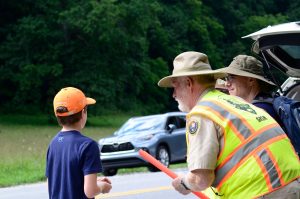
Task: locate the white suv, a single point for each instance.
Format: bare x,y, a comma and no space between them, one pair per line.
279,47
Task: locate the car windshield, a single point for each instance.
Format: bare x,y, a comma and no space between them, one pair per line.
140,124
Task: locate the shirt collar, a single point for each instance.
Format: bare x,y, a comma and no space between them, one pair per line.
205,92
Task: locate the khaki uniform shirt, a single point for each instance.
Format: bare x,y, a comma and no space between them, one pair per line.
205,141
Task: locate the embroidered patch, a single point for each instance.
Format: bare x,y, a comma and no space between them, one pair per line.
238,104
193,127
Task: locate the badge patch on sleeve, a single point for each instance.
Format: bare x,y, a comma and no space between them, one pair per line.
193,127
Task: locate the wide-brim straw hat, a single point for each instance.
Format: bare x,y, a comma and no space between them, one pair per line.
247,66
190,63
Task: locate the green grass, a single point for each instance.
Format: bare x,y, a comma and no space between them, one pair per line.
24,147
24,141
21,171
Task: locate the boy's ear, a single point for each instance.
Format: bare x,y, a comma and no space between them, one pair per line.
82,112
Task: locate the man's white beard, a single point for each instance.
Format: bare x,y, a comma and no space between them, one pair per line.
182,107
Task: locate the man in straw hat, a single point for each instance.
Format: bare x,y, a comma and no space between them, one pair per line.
232,145
246,79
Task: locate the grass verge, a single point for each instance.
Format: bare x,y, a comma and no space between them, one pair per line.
24,142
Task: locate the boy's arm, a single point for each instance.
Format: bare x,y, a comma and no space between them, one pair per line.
92,187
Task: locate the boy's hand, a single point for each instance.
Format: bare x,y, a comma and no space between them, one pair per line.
103,179
104,183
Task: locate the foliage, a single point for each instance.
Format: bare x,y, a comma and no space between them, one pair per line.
116,51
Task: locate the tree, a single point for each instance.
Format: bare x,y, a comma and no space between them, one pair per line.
116,51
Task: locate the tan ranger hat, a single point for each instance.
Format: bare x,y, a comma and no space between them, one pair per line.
190,64
247,66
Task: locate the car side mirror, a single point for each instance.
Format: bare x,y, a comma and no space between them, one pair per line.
171,128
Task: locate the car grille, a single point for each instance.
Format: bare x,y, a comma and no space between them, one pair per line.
117,147
123,163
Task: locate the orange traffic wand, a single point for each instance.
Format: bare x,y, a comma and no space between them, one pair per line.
164,169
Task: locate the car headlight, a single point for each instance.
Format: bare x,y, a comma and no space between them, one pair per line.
100,147
145,137
100,142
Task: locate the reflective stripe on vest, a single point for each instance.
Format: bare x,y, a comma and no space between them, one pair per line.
268,165
244,131
244,151
232,162
251,137
237,123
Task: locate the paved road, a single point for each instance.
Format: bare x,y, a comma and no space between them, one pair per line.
134,186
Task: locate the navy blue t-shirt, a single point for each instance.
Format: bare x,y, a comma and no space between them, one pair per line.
70,157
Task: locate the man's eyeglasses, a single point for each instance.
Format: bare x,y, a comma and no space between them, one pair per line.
229,78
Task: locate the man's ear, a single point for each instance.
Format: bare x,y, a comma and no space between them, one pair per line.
189,81
251,81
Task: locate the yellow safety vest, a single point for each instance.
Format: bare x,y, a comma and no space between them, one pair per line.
257,157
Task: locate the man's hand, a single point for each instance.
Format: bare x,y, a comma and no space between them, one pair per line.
180,186
104,184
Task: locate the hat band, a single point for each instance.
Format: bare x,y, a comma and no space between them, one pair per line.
198,68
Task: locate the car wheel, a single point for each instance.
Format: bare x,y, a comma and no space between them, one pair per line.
162,155
110,172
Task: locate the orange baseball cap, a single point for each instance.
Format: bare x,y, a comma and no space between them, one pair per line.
69,101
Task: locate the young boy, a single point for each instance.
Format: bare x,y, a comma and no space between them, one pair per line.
73,159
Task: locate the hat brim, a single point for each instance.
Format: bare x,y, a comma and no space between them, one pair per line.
167,81
238,72
90,101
